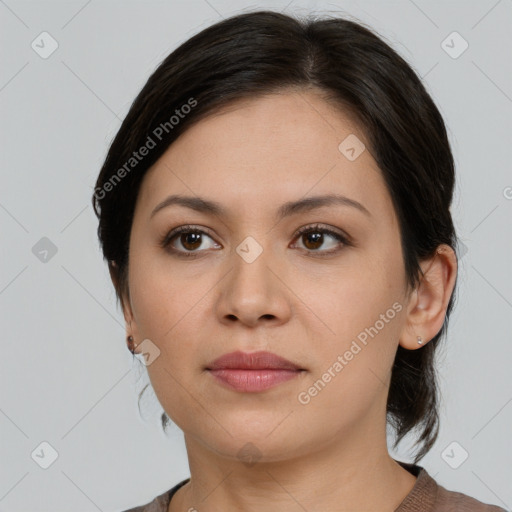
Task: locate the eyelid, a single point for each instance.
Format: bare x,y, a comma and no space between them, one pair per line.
336,233
343,238
185,228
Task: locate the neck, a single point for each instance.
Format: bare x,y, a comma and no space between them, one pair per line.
352,472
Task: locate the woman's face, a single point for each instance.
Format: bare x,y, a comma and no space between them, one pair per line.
250,283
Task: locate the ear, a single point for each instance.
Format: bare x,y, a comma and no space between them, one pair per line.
426,310
124,298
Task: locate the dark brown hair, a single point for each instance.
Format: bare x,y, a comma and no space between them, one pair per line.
262,52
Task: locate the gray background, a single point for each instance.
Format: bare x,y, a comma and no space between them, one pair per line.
66,376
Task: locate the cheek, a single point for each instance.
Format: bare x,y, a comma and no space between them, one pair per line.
160,296
354,366
349,300
358,336
166,307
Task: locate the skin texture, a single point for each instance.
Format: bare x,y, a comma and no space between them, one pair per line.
328,454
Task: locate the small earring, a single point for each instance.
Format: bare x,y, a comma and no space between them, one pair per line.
420,341
129,339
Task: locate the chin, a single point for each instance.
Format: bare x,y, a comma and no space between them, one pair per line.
251,445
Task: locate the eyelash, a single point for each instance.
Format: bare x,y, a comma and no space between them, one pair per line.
167,239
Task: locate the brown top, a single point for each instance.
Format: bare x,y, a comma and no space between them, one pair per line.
426,496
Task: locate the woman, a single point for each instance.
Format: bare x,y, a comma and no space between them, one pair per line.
274,211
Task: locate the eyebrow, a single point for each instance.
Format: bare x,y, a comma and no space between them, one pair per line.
307,204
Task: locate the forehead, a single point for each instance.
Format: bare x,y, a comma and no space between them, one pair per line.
259,152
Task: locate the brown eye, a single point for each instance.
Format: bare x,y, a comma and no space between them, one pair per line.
312,240
190,241
314,237
185,241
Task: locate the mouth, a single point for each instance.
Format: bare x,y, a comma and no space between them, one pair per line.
253,372
252,361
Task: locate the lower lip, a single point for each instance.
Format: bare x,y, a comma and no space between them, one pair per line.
253,380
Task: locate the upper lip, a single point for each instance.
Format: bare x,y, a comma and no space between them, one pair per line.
252,361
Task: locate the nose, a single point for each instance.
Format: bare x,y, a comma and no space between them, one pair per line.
254,292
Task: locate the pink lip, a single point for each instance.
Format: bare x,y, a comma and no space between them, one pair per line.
253,372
